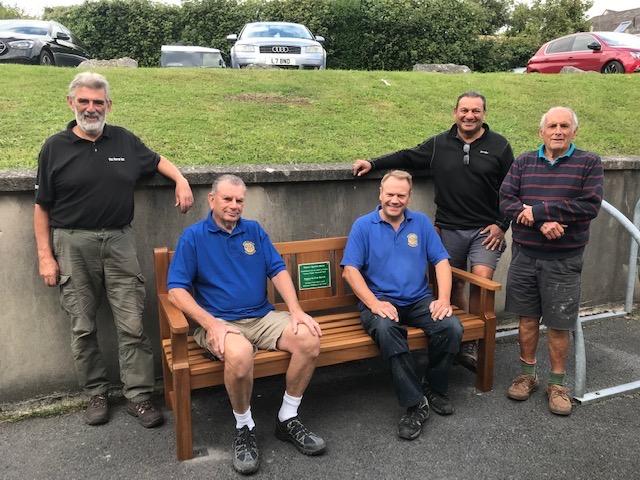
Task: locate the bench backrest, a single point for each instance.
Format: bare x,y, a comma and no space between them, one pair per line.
314,266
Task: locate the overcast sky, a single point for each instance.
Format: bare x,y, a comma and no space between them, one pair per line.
36,7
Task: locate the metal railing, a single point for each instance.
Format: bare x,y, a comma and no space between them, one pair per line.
580,354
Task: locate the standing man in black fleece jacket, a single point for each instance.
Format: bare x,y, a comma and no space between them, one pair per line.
468,163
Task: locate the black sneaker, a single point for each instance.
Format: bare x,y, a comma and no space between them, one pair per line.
97,412
439,403
148,415
307,442
246,459
411,423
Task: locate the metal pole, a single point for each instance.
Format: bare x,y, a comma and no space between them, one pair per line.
581,360
633,263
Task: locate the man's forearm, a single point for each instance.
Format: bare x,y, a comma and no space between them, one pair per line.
444,279
169,170
42,232
183,300
284,285
360,288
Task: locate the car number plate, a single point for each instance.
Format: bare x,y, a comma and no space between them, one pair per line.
282,61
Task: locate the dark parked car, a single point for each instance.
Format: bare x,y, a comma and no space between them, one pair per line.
39,42
606,52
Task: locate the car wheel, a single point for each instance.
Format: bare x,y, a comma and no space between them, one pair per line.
46,58
613,67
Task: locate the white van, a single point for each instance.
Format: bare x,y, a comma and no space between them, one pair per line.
190,56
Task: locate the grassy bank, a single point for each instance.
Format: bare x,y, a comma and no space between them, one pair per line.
201,117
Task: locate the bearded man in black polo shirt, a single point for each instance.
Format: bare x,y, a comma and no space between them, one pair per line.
468,163
84,208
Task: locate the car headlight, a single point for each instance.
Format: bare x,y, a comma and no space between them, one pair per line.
245,48
314,49
21,44
635,55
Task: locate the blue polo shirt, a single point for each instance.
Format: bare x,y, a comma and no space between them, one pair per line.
394,263
226,272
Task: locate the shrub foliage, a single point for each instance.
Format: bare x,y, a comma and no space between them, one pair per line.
360,34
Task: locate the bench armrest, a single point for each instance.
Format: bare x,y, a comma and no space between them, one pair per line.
178,323
481,282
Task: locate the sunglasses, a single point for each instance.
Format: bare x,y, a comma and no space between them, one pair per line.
465,149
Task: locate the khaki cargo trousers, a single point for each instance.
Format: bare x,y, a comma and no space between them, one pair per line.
94,262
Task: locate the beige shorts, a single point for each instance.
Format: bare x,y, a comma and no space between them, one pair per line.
262,332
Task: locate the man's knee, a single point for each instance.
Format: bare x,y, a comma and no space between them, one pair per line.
238,356
453,329
302,343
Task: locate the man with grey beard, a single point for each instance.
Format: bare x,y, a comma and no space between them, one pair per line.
82,222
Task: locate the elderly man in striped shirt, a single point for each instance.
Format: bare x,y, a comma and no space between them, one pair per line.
552,193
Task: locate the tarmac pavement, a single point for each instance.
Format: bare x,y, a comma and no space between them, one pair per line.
353,407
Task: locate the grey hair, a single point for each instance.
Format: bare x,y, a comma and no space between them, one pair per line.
91,80
574,117
227,177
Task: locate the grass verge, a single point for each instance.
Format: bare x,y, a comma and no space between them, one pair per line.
231,117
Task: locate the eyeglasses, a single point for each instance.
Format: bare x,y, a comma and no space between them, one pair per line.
465,149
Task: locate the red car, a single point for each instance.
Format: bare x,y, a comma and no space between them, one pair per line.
605,52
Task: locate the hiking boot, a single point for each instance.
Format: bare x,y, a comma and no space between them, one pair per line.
522,387
559,400
97,412
147,413
410,425
438,402
246,459
307,442
468,355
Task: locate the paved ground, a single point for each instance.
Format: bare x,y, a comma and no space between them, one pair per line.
354,408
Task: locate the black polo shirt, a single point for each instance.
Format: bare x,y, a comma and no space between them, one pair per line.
85,184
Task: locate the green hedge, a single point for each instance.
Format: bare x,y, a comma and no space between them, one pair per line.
360,34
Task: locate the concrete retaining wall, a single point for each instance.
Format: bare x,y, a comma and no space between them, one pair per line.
292,203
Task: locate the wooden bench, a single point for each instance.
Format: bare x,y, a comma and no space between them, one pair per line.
186,367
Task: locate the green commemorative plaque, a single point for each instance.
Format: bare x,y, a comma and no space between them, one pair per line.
314,275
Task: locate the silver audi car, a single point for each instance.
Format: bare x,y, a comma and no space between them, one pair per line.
277,44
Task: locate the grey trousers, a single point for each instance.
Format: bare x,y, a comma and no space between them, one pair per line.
94,262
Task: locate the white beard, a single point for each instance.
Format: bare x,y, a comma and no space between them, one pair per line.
90,126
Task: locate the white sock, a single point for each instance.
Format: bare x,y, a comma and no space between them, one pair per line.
243,419
289,408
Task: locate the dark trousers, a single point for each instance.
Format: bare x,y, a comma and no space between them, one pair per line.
391,338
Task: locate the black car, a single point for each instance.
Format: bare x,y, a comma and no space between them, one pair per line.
39,42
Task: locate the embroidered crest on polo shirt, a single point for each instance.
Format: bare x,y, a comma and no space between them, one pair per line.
484,152
412,240
249,247
116,159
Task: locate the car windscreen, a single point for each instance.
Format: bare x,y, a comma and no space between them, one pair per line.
24,28
621,40
262,30
191,59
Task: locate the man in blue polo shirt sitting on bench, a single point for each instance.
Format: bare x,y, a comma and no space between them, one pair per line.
386,262
225,261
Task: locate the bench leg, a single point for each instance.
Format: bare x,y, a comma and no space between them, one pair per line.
182,413
167,380
484,373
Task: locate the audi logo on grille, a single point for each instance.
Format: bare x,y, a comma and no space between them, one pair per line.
3,47
280,49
